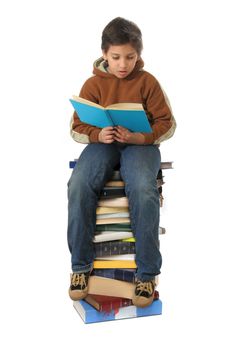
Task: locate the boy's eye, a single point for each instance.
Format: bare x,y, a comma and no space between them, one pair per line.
128,58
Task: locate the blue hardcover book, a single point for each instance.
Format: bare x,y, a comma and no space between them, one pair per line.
90,315
128,115
127,275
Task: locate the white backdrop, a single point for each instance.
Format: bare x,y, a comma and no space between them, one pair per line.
47,52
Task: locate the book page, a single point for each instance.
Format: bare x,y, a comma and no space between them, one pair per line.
87,102
126,106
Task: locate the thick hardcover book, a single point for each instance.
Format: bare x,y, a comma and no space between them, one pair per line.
127,275
90,315
111,287
104,303
128,115
114,248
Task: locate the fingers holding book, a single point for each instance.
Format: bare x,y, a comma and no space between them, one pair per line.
107,135
110,134
124,135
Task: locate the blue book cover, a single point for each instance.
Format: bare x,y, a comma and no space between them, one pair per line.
128,115
90,315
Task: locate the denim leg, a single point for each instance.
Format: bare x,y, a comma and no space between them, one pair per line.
94,167
139,169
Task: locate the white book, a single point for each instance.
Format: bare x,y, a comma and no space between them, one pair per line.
117,257
112,215
114,202
104,236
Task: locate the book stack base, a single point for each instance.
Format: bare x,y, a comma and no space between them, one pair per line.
90,315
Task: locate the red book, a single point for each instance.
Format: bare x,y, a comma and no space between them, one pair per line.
104,303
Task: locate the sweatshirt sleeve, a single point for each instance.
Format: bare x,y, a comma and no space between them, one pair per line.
82,132
159,113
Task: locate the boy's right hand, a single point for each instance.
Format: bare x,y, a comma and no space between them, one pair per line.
106,135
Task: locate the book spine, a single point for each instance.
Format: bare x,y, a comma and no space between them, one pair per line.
116,175
114,305
112,192
114,248
114,264
118,274
113,227
109,117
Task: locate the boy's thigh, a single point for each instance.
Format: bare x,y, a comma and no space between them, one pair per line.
141,160
96,159
99,153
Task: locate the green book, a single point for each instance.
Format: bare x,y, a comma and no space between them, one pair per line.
114,227
128,115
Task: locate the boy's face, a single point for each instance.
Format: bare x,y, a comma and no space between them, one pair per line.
121,59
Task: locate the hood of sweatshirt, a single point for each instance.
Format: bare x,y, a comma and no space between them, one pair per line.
100,69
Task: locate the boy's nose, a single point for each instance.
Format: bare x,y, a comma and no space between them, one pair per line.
123,63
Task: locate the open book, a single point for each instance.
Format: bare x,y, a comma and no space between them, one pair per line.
128,115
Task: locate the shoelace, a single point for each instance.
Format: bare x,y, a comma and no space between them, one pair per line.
145,286
78,279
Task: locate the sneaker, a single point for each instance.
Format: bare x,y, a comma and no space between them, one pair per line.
144,293
79,285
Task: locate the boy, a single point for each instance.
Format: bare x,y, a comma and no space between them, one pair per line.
119,77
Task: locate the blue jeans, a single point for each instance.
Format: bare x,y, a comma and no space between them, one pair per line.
139,166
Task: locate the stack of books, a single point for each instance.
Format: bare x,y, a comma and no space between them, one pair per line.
111,284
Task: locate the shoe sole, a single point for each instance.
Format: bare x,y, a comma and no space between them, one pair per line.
77,295
141,301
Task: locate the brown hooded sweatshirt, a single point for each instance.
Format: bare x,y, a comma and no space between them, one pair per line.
138,87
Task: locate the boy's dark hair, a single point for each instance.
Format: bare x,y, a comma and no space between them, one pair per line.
121,31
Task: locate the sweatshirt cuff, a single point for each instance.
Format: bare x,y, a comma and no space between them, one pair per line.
149,138
94,136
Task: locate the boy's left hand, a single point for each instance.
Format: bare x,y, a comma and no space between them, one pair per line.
123,135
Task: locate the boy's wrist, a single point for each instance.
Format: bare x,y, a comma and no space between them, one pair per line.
94,135
139,138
